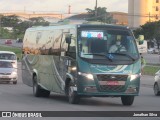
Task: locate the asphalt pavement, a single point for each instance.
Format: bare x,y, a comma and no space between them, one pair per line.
152,58
147,80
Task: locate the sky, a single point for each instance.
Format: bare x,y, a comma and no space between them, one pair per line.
61,6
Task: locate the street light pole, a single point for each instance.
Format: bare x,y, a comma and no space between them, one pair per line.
149,17
96,9
0,27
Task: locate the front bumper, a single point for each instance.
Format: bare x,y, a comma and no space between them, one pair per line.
8,78
99,87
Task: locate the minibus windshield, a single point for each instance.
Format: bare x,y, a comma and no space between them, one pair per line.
110,44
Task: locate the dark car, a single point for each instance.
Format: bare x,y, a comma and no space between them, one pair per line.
19,40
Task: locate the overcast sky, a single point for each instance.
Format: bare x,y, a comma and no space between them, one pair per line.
77,6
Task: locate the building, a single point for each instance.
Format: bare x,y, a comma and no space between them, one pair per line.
27,15
120,18
142,11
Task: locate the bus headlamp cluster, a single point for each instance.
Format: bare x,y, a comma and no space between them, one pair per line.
74,68
14,65
133,77
88,76
14,73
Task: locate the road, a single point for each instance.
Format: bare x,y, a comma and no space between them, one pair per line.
152,58
14,43
19,97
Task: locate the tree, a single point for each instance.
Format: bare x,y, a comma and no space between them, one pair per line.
102,15
18,26
37,21
10,21
150,30
157,36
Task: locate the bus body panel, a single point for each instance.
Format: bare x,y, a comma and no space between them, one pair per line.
47,55
42,57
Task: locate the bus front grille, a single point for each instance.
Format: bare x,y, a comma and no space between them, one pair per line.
110,77
103,78
112,88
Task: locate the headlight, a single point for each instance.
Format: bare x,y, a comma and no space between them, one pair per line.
133,77
14,73
73,68
88,76
14,65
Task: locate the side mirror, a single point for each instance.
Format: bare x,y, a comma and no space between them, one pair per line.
141,39
68,38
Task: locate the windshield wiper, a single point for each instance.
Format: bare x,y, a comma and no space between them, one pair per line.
129,56
99,54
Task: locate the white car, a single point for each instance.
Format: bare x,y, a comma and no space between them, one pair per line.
151,51
9,56
157,84
7,72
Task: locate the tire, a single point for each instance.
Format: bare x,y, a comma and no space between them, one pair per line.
127,100
38,91
156,90
73,98
14,82
45,93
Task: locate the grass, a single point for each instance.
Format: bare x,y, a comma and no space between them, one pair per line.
17,51
150,70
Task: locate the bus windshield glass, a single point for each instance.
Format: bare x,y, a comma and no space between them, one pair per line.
111,44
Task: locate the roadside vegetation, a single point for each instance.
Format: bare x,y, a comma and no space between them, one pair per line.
150,70
12,27
151,32
17,51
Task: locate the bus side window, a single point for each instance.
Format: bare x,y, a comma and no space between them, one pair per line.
84,44
72,48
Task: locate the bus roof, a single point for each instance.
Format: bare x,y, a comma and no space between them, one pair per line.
104,25
9,52
77,25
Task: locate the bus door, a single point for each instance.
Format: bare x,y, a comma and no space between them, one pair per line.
68,55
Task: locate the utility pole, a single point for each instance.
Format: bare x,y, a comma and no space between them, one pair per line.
0,27
149,17
96,9
69,9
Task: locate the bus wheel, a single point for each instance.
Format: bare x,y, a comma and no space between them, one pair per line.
156,90
72,95
127,100
14,82
38,91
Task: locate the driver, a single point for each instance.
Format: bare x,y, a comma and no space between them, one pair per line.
117,47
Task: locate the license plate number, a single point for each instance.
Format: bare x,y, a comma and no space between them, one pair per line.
112,83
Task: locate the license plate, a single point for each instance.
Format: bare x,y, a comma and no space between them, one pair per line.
112,83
